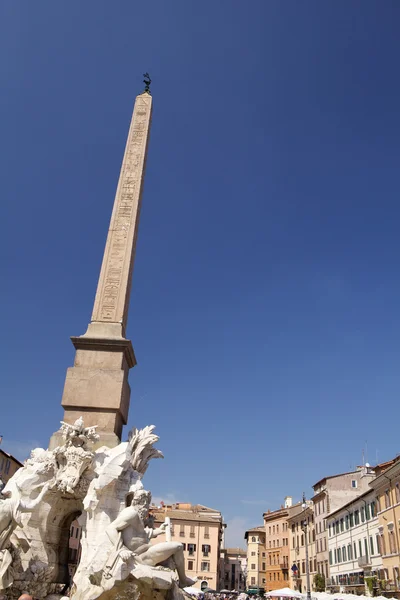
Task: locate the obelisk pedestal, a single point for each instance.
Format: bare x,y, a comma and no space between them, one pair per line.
97,387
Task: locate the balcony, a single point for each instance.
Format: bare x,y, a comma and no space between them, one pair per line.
283,566
364,561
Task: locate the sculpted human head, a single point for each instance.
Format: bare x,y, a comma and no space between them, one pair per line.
141,499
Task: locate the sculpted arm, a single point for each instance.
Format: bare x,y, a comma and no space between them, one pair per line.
126,518
159,531
28,506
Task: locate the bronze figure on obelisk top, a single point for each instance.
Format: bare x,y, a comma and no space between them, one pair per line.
97,387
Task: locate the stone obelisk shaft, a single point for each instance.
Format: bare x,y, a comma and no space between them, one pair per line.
97,387
112,298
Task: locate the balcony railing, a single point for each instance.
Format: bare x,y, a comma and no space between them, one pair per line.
283,565
364,561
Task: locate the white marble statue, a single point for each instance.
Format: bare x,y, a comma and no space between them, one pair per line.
104,487
130,541
11,509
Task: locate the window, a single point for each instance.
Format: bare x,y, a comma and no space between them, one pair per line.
357,517
339,555
397,492
325,543
335,555
263,554
359,548
387,499
344,554
349,552
71,532
392,542
371,545
353,483
303,566
206,532
182,531
192,531
270,544
253,553
355,550
362,514
253,581
347,521
206,549
341,525
367,515
269,530
373,509
273,543
315,564
253,567
329,530
253,539
273,529
293,542
302,539
383,544
337,526
366,546
191,549
270,576
77,532
351,520
190,565
262,566
277,529
274,576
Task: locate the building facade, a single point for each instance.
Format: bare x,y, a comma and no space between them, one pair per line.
74,547
387,490
233,569
353,545
200,530
330,494
8,465
302,546
256,557
276,565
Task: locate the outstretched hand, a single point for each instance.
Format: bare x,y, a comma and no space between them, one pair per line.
126,555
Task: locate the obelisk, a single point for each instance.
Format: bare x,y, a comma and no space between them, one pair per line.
97,387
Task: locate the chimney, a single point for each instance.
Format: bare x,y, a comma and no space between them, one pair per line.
288,501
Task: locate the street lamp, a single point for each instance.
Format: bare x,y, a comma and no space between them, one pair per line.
304,528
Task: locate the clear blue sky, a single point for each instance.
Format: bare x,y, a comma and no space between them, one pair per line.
265,311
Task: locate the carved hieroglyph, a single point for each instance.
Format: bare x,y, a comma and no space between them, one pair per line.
112,297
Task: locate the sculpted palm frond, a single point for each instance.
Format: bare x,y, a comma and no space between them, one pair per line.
140,448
